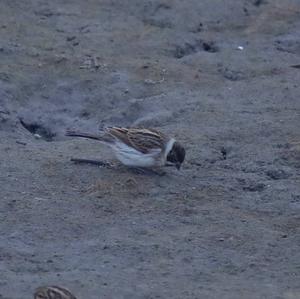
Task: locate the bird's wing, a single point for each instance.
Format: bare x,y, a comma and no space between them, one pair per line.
143,140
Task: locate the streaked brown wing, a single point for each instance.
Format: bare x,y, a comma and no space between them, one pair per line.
65,292
143,140
146,140
119,133
53,292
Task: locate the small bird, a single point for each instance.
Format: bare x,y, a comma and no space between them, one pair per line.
139,147
53,292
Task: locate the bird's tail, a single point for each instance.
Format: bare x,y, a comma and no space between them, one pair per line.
100,137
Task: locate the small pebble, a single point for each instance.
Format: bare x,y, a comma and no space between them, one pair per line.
71,38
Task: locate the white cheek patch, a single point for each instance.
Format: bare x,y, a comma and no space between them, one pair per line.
169,146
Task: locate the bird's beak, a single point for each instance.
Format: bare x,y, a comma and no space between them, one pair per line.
178,165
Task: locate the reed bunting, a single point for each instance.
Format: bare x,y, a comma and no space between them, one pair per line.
138,147
53,292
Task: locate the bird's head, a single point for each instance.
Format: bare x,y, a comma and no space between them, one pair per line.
176,155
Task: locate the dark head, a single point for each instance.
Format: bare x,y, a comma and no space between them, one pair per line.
176,155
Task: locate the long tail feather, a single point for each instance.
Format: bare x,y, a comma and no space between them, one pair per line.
86,135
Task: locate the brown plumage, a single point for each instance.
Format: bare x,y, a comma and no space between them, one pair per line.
142,140
53,292
139,147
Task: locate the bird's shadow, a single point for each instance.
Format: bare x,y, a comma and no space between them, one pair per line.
120,167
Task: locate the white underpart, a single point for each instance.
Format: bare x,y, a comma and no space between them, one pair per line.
131,157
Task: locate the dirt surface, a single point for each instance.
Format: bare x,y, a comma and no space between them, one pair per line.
221,76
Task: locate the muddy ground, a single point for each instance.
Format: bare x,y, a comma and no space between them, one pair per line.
221,76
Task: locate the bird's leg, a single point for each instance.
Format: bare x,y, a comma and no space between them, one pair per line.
94,162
